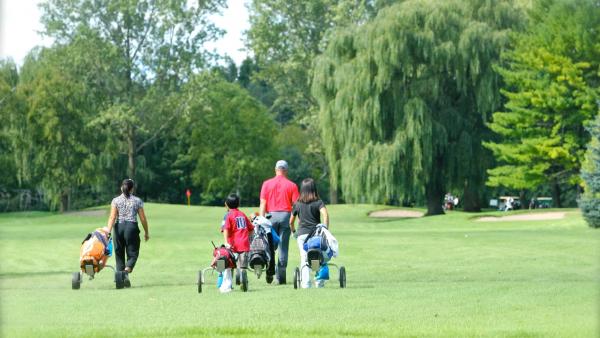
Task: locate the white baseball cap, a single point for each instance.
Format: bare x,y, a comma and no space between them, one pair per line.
281,164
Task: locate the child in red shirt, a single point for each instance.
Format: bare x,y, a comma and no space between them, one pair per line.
237,230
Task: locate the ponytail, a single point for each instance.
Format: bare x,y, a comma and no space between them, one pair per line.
127,187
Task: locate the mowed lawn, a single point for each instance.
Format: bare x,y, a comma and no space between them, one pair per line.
435,276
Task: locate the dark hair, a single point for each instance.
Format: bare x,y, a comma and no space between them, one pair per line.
127,186
232,201
308,191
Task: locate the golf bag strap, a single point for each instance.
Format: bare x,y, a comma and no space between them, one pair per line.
86,238
232,257
312,233
101,238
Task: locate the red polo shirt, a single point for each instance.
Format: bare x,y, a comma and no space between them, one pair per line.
238,227
280,194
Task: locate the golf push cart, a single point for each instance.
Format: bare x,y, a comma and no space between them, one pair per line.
96,248
318,253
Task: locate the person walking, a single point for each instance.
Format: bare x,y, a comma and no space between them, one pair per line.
123,218
277,196
311,211
237,231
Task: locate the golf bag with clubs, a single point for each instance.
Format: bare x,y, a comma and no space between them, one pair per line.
262,253
260,256
95,250
225,255
317,246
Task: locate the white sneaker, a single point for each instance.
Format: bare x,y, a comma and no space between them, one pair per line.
225,290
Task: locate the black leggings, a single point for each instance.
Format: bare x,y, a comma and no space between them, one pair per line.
126,239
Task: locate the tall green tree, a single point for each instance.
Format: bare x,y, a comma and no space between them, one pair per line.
10,105
56,137
231,146
552,79
151,47
285,37
403,98
590,173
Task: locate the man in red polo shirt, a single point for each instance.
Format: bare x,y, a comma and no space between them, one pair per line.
277,196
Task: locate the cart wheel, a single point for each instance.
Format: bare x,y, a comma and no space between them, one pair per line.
342,277
244,277
76,281
200,281
296,278
237,276
119,280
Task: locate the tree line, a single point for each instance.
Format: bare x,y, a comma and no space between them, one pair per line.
381,101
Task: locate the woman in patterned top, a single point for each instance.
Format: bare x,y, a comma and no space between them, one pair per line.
123,215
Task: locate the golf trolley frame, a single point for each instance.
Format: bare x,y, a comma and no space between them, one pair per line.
89,268
241,277
242,274
314,265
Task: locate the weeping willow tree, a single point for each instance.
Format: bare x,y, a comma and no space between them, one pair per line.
404,99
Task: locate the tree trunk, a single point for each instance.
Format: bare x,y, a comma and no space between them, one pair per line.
333,196
333,191
434,190
64,202
522,199
131,152
129,92
470,199
556,195
434,203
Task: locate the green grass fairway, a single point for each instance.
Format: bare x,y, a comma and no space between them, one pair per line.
436,276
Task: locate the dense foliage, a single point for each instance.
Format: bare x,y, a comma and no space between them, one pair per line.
232,147
387,101
590,201
404,99
552,78
285,37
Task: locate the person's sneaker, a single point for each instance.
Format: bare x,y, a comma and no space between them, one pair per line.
126,281
269,279
225,290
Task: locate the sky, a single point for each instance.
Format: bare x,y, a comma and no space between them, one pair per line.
19,24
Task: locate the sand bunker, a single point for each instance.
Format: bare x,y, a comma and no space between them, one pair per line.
539,216
395,213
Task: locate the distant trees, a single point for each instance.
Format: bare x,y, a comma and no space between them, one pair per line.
11,104
590,201
57,141
385,101
285,37
552,77
148,49
404,98
232,146
110,96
